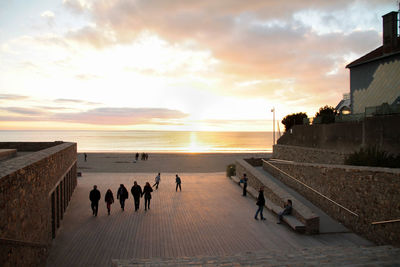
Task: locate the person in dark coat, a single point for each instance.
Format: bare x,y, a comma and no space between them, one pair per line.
109,199
147,195
244,181
286,211
122,194
136,191
178,183
137,156
260,203
94,197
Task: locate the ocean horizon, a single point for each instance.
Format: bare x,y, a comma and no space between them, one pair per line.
149,141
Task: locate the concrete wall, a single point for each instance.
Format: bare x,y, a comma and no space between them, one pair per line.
374,83
372,193
383,131
306,154
28,146
34,192
277,195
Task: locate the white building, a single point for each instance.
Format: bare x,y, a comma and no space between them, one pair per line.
375,77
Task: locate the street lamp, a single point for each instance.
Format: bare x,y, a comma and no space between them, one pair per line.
273,126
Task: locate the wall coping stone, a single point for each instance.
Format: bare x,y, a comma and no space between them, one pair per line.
12,165
314,149
338,166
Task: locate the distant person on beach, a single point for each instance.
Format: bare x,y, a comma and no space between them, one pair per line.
142,157
147,195
260,203
244,181
286,211
122,194
157,180
137,156
85,156
109,199
94,197
178,183
136,191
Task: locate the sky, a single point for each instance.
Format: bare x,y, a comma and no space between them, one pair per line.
177,65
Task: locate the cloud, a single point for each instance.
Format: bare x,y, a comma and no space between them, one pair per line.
120,116
23,111
75,101
49,16
86,76
12,97
78,6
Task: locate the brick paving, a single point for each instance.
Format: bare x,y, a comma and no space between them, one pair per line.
209,218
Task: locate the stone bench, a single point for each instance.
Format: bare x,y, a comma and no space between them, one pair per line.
289,219
302,218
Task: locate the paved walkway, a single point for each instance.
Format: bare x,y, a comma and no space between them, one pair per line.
209,217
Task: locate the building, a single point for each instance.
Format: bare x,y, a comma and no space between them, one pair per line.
375,77
36,185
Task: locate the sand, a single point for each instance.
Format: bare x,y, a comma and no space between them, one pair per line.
161,162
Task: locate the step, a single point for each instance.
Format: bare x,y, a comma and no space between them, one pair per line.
290,220
311,256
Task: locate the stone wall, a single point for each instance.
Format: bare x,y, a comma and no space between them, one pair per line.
306,154
371,193
23,253
277,195
35,190
383,131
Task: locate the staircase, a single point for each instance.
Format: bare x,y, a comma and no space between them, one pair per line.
315,256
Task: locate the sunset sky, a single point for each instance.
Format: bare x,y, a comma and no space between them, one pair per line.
179,64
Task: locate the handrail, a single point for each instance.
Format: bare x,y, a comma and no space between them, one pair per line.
312,189
388,221
20,242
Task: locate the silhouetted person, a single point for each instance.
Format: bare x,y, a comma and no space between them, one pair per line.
94,197
287,210
137,156
157,180
147,195
178,183
109,199
122,194
136,191
260,203
85,156
244,181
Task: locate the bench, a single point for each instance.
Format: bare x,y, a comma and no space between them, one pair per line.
290,220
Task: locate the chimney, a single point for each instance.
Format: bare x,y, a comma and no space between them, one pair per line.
390,40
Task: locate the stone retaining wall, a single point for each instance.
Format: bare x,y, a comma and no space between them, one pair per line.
24,254
278,195
310,155
372,193
35,190
28,146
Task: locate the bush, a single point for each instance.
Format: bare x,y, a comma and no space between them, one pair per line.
373,156
326,114
230,170
294,119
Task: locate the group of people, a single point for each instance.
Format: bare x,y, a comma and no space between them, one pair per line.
144,156
122,195
287,210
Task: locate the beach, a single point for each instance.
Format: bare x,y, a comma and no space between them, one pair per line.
161,162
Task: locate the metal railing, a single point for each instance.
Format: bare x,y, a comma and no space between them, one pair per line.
312,189
384,222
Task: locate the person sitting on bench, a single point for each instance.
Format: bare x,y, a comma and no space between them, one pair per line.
286,211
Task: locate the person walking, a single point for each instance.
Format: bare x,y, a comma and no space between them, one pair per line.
136,191
109,199
178,183
147,195
244,181
85,156
260,203
137,156
94,197
122,195
157,180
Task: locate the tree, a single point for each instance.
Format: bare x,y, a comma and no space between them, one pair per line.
327,114
294,119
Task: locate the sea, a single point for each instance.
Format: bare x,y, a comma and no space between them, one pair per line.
150,141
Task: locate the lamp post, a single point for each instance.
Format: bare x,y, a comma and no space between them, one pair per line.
273,126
